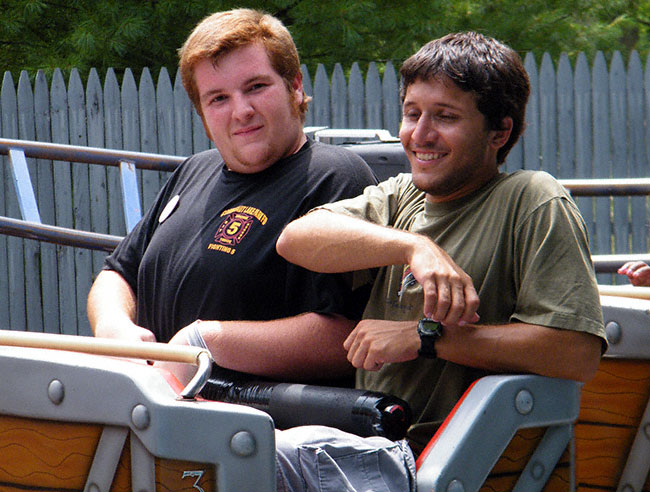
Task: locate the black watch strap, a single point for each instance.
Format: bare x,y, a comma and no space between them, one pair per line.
429,332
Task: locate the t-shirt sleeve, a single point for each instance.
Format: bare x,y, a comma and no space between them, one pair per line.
126,257
346,175
557,284
378,204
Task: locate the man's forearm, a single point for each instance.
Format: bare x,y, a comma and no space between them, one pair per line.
525,348
307,346
111,308
324,241
508,348
327,242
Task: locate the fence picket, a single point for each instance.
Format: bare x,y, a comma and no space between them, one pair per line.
373,98
339,98
46,199
583,137
182,118
63,205
15,253
96,174
321,102
130,114
530,142
165,115
601,161
7,96
80,198
149,182
199,137
309,91
618,115
646,160
390,99
636,154
113,132
356,98
27,131
547,115
565,120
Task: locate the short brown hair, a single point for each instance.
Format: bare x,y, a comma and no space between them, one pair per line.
222,32
478,64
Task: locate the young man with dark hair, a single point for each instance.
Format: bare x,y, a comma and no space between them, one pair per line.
477,271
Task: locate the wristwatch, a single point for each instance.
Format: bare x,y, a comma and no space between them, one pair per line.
429,332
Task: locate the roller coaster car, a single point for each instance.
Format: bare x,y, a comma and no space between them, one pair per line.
77,421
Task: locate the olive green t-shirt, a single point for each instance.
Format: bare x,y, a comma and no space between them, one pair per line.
524,244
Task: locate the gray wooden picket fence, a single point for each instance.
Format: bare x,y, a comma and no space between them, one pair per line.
584,120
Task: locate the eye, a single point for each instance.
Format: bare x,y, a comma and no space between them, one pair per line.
446,116
411,115
257,87
216,99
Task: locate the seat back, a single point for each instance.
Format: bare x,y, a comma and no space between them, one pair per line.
506,433
613,429
530,433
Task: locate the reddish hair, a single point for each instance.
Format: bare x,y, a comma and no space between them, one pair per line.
223,32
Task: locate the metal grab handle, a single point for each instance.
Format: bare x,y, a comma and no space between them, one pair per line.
197,356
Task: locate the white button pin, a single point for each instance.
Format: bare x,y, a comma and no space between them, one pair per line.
169,208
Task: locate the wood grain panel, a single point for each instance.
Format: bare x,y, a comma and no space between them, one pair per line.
44,454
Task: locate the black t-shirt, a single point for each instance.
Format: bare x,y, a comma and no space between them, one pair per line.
212,254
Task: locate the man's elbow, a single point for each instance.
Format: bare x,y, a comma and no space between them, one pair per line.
296,242
588,354
286,243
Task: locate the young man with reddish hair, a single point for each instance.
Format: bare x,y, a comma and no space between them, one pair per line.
202,263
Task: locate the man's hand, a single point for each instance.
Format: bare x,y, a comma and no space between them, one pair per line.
181,371
637,271
374,343
449,294
125,330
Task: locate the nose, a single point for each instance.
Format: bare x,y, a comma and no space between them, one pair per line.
424,131
242,108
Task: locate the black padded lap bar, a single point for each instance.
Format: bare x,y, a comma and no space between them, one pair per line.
365,413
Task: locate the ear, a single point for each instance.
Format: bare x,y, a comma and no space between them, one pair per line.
296,88
501,136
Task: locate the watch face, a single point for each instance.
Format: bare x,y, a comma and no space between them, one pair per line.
428,325
429,332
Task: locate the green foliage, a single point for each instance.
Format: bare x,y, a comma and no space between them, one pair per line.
42,34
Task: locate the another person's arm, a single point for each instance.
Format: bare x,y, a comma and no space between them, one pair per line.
513,347
304,347
328,242
637,271
307,346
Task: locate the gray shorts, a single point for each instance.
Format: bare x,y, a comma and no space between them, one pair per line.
323,459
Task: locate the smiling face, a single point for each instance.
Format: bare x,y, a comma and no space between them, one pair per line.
445,136
248,111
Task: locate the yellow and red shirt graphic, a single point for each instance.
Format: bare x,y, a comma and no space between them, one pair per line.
234,227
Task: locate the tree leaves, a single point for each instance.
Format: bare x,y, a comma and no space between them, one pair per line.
43,34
